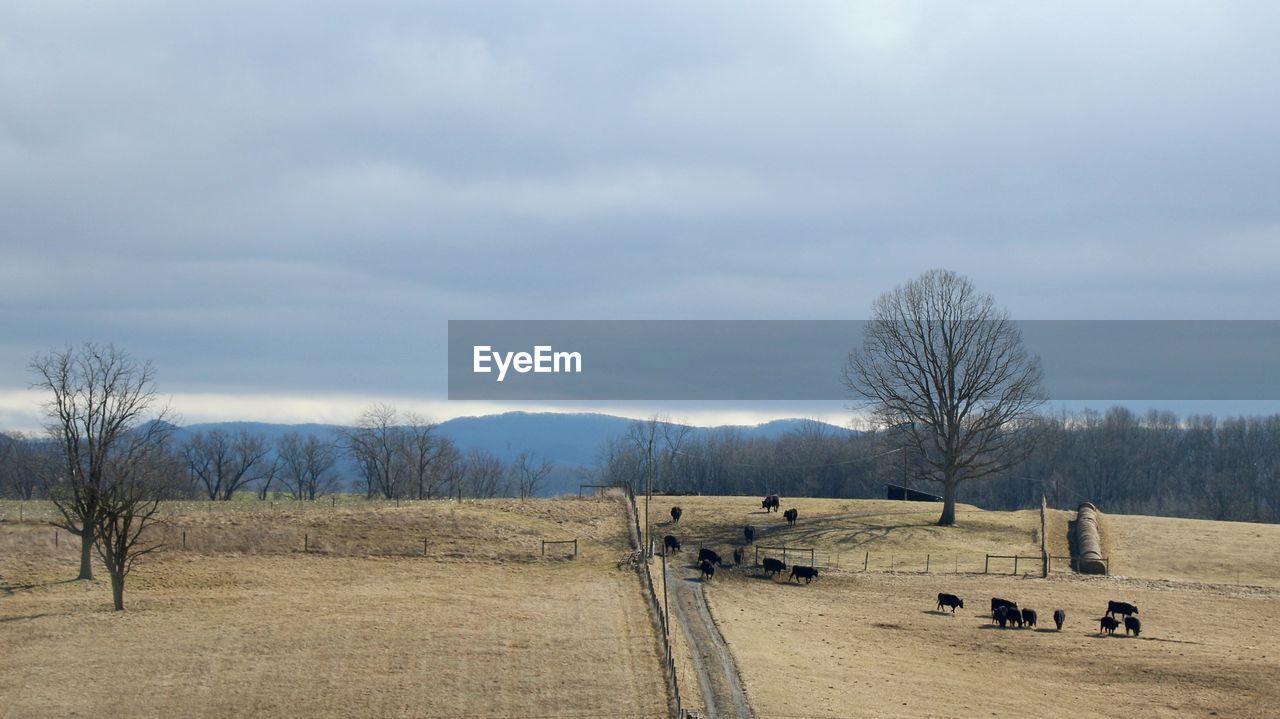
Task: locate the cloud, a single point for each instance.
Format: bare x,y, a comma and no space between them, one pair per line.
294,198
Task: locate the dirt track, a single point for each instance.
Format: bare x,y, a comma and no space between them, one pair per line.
718,680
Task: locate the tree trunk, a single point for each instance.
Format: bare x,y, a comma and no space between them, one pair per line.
86,553
948,517
117,590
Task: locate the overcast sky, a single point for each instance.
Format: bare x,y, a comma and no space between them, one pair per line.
281,205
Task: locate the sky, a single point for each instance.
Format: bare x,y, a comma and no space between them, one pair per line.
282,206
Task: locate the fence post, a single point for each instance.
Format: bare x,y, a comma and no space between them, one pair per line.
892,564
306,543
55,537
424,546
986,567
184,540
926,564
575,548
813,559
865,561
1015,565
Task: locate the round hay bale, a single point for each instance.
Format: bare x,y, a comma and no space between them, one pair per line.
1088,544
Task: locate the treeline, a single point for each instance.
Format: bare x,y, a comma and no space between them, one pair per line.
1153,463
394,455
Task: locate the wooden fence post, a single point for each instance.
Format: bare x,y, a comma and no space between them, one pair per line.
424,546
986,567
184,540
306,543
926,564
1015,565
865,561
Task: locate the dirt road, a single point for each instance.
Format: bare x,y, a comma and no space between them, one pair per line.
718,680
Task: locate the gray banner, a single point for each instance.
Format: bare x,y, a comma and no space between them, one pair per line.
802,359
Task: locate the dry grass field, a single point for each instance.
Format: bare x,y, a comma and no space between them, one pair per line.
871,644
244,623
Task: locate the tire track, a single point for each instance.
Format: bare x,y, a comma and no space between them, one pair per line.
721,687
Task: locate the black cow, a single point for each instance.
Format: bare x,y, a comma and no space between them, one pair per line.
1125,608
773,566
791,515
949,600
1134,624
708,569
737,556
1029,617
706,555
1108,625
675,514
1000,616
1059,618
997,602
1015,616
749,532
771,503
671,543
808,574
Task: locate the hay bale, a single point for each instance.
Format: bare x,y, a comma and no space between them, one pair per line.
1088,541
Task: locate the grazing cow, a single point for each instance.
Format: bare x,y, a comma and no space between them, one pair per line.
749,532
1125,608
771,503
1015,616
708,569
1059,618
1000,616
1134,624
675,514
774,566
791,516
997,602
706,555
949,600
1029,617
1108,625
671,543
737,556
808,574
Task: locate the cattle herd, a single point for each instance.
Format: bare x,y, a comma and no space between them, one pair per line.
1006,613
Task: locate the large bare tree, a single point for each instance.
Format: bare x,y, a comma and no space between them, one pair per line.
943,364
306,465
529,471
99,399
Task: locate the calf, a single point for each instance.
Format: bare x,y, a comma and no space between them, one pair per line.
675,514
708,570
749,532
706,555
1059,618
1125,608
773,566
808,574
771,503
949,600
997,602
1015,617
1000,616
1029,617
737,556
671,543
791,516
1108,625
1134,624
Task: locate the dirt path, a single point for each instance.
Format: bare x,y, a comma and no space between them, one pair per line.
721,688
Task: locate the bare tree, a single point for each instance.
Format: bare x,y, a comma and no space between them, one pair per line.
222,463
421,448
940,360
483,474
99,398
142,474
529,471
26,463
307,465
375,444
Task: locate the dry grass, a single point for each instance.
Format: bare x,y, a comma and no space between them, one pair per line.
479,627
1193,549
871,645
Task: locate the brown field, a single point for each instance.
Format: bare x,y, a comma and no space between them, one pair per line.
870,644
244,623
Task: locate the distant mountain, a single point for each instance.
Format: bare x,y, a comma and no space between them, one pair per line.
570,440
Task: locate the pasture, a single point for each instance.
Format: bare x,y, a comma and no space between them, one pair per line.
245,623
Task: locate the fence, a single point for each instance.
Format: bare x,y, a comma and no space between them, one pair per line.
545,542
785,550
658,608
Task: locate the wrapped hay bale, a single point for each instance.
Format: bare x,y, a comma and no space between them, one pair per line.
1088,544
